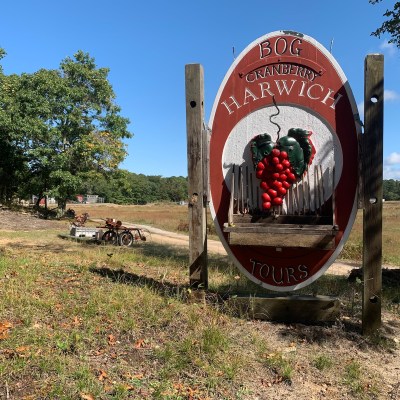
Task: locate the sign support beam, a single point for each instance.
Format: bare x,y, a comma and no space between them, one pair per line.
373,193
197,170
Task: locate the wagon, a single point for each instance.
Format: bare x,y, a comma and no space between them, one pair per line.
118,234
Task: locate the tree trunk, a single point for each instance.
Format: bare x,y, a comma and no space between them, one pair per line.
62,205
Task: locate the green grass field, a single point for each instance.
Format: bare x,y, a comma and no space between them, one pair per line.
83,321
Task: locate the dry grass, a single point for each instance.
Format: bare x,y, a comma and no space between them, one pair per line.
390,235
174,218
165,216
81,321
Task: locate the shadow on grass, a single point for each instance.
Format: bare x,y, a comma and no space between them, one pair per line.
348,326
164,288
181,254
330,285
318,332
347,289
326,285
340,286
390,277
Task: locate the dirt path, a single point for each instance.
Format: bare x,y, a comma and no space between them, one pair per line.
216,247
25,221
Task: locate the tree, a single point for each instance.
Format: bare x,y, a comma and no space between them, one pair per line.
13,165
65,123
175,188
85,125
392,25
391,189
124,187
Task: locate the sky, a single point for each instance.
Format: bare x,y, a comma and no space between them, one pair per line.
146,45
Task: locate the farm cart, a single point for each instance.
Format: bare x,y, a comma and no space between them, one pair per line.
118,234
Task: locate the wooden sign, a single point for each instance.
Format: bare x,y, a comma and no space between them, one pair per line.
284,160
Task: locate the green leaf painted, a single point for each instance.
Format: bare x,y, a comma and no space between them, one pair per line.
302,136
261,146
295,153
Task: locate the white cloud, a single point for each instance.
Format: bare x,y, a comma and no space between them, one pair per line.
391,173
391,167
393,159
360,107
389,48
391,95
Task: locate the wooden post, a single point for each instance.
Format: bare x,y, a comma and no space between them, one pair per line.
373,193
197,172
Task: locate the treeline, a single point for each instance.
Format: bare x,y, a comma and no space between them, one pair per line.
391,189
124,187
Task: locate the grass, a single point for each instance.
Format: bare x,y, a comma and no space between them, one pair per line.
282,365
82,312
80,321
352,377
152,214
390,236
323,362
175,220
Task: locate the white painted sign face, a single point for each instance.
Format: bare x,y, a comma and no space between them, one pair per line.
284,159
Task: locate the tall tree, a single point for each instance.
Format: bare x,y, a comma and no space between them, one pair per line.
67,123
12,144
391,25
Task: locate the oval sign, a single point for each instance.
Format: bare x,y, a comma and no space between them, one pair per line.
284,160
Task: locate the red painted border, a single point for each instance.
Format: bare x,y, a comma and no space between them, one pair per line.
327,95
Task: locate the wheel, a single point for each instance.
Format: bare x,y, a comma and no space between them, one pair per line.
125,238
110,237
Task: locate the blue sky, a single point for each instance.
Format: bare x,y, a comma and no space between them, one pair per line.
146,45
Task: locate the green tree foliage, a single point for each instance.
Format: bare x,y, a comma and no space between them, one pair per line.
12,144
391,189
391,25
56,126
124,187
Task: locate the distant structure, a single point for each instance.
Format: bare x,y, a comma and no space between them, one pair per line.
89,198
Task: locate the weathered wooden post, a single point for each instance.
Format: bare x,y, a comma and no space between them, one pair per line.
197,171
373,193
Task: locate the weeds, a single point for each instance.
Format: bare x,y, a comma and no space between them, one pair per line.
352,376
213,341
282,365
323,362
352,250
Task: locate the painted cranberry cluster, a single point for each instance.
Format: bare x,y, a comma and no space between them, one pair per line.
277,176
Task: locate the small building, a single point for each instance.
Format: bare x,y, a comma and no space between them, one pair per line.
50,200
91,198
